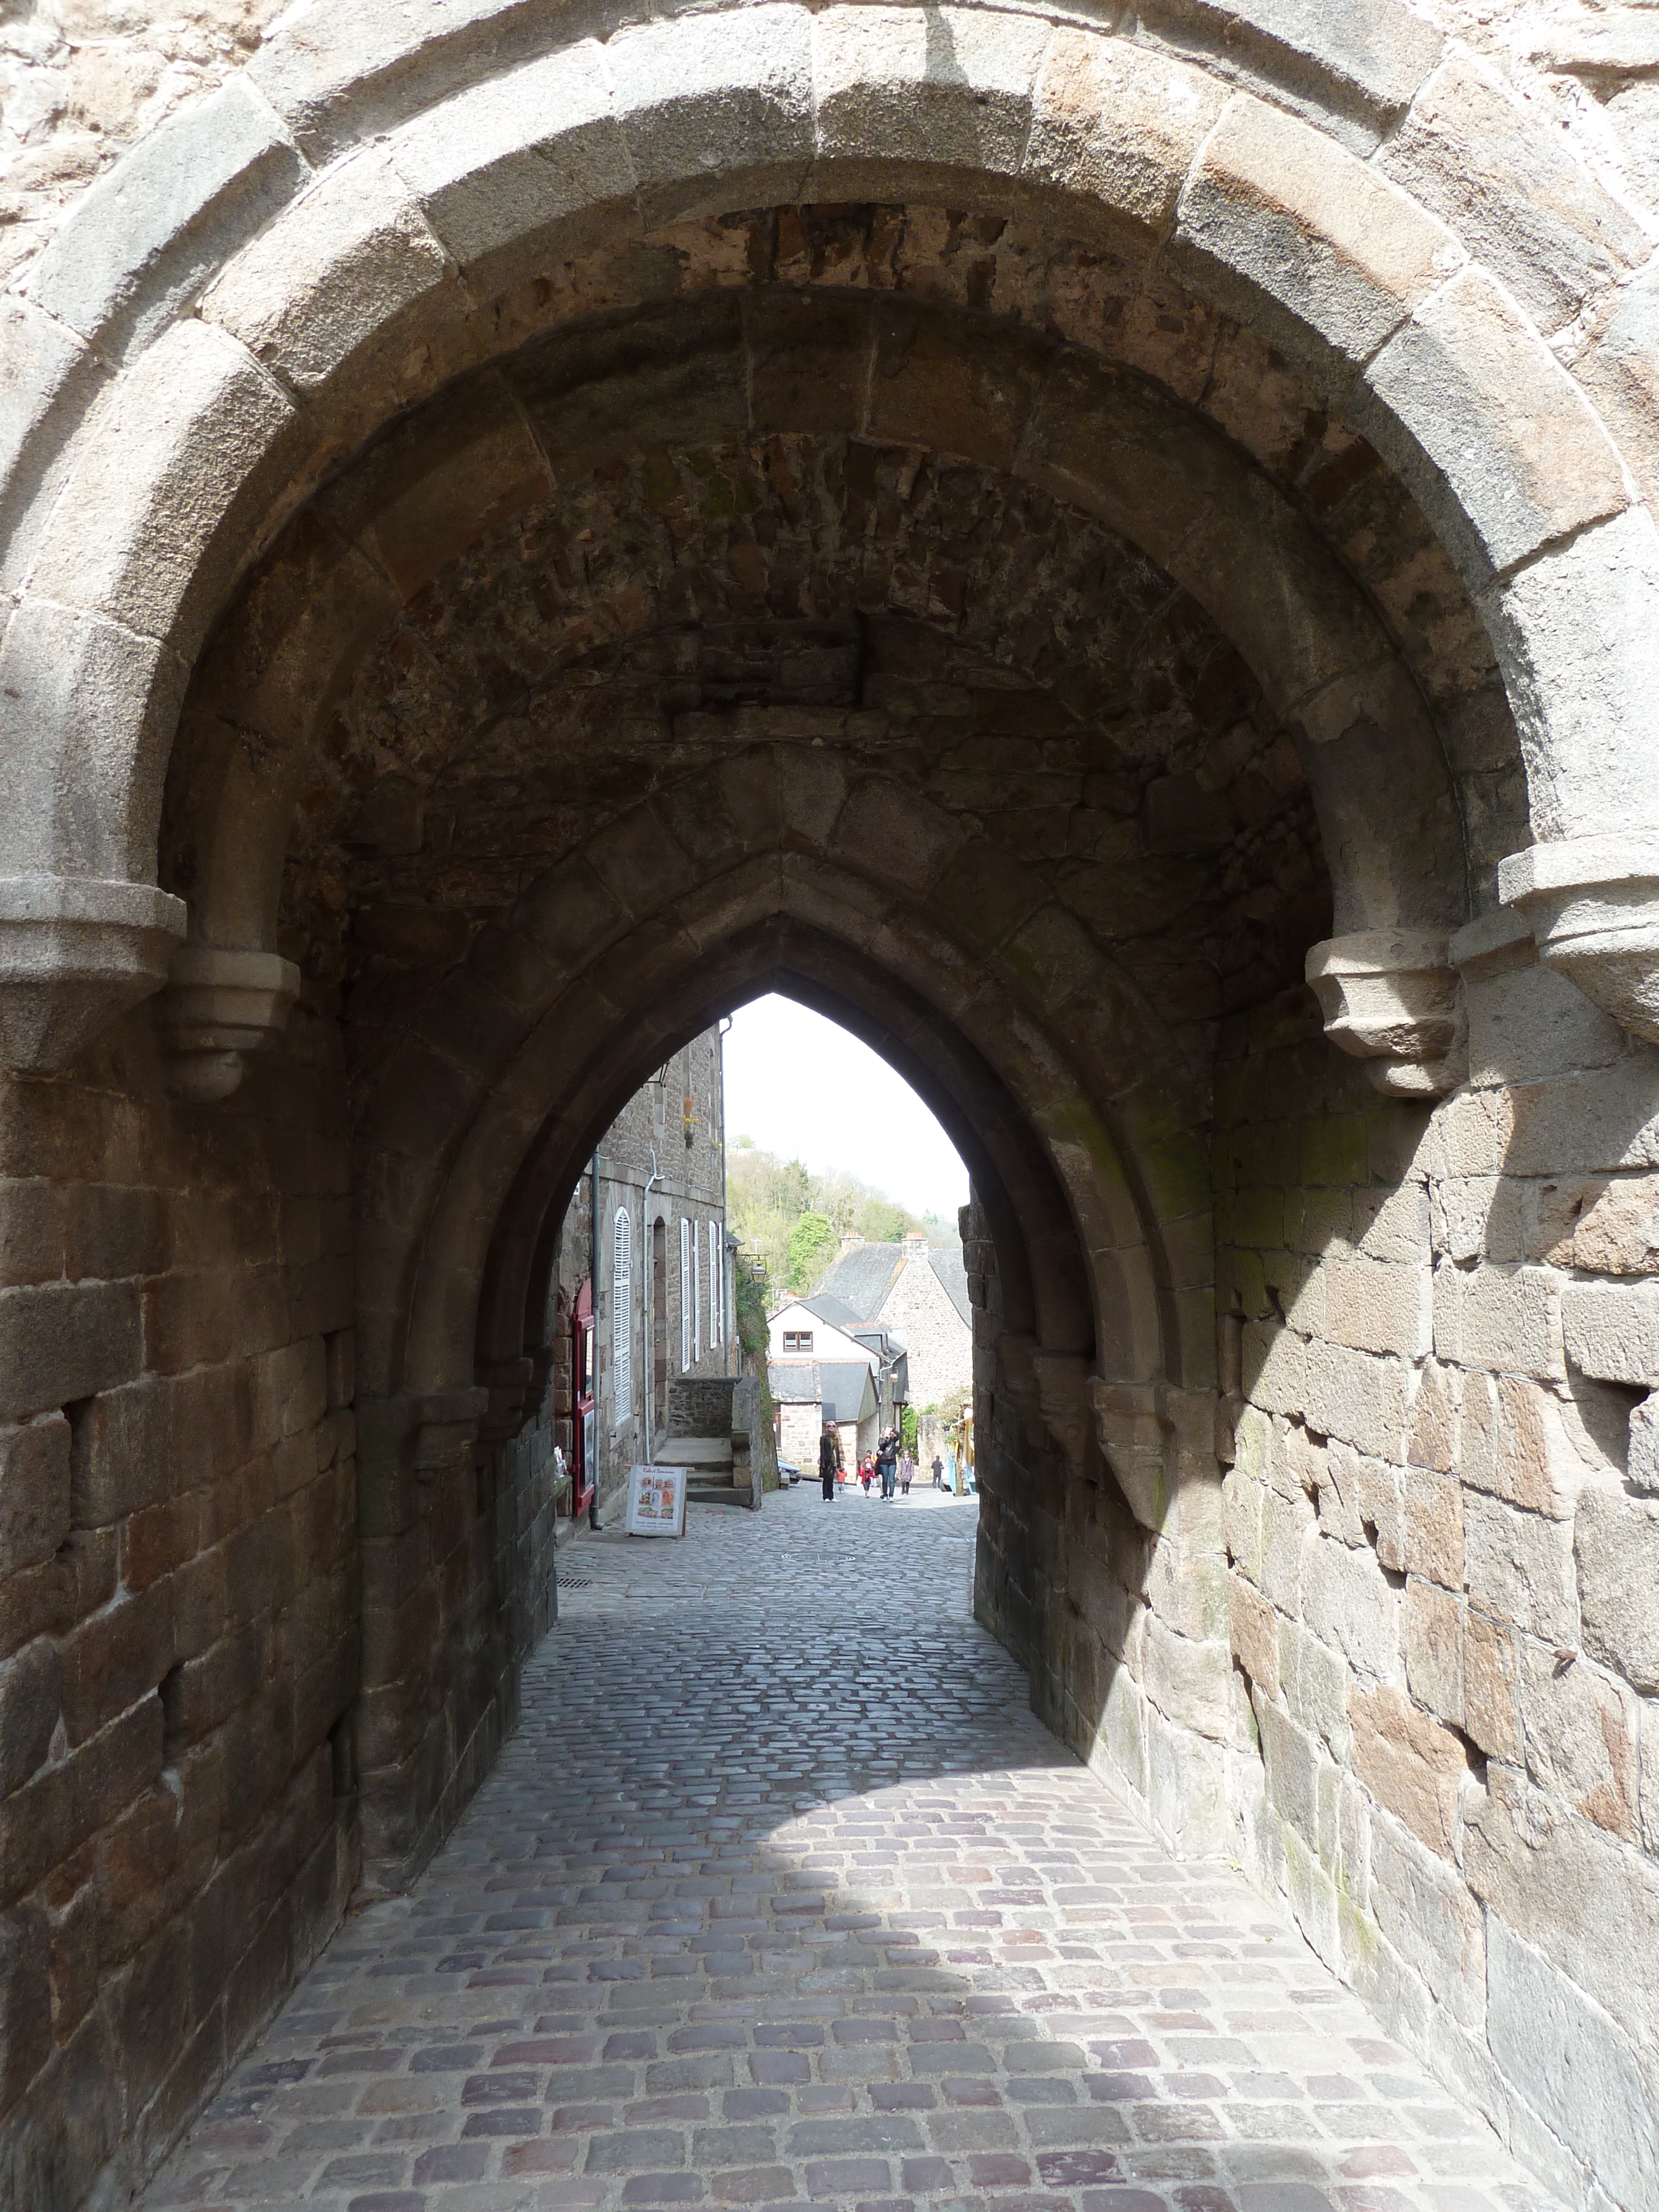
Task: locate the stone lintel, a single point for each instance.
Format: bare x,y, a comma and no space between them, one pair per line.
221,1004
1390,998
1593,905
75,951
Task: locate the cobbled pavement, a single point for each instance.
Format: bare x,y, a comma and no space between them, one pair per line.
780,1897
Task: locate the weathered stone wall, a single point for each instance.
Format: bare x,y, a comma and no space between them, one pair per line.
1441,1571
939,1343
179,1611
701,1405
646,1167
1437,1737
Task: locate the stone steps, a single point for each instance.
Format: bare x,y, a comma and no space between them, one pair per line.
711,1478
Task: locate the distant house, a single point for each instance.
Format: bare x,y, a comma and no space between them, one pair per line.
819,1345
809,1392
918,1293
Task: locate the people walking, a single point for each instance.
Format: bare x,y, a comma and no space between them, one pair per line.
866,1472
829,1459
887,1463
939,1472
907,1471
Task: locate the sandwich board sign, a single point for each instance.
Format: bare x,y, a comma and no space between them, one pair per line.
656,1501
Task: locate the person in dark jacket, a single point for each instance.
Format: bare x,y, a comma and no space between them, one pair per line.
829,1459
887,1462
939,1472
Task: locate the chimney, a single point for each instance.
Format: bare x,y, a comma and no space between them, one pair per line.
915,1244
850,1242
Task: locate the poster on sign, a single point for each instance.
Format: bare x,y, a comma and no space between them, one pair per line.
656,1501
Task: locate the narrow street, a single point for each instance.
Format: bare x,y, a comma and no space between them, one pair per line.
780,1895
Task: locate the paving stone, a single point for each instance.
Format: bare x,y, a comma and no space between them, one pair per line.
959,1975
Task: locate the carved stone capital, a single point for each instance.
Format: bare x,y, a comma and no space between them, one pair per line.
221,1004
74,952
1593,905
1390,998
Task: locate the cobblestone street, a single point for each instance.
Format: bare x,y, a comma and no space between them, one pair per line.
780,1896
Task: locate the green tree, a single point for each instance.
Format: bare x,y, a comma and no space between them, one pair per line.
767,1197
881,1222
811,1241
907,1428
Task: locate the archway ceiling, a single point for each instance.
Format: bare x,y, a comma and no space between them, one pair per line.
587,399
940,624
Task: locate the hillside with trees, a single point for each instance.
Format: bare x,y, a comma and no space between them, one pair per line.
792,1220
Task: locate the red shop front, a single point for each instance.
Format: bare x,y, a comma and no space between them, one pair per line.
584,1441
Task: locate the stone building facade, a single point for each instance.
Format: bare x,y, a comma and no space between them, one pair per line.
1116,555
662,1295
919,1291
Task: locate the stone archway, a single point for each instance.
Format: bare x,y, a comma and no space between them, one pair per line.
1001,529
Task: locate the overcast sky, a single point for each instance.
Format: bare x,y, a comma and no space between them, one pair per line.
803,1088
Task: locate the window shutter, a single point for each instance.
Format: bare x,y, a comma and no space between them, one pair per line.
621,1317
716,1303
696,1296
685,1294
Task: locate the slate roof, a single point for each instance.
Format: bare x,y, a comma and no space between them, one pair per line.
848,1394
946,1262
836,1311
792,1382
861,1278
841,1386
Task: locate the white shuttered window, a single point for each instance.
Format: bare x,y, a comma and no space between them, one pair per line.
697,1297
621,1317
685,1294
716,1303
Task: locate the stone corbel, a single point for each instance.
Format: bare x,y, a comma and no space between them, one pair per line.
1154,1436
75,951
509,1383
1593,906
1390,998
221,1004
1131,1443
445,1427
1061,1379
1016,1375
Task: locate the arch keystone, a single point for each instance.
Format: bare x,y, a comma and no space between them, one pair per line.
703,100
952,87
